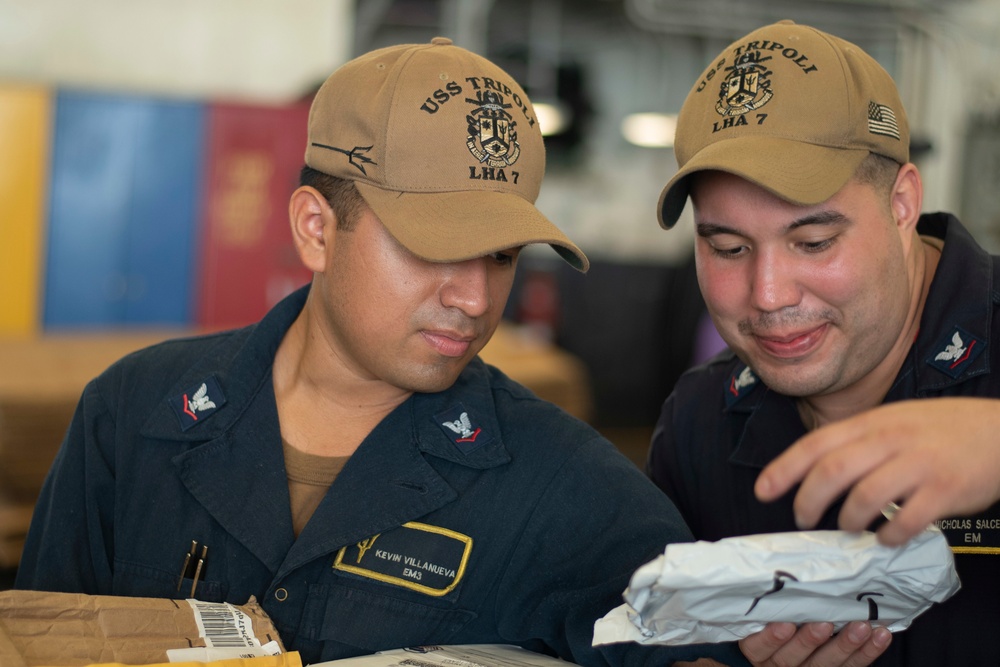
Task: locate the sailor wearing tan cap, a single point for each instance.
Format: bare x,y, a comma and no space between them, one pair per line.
348,460
860,334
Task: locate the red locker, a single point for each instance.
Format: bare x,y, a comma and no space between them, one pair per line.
248,261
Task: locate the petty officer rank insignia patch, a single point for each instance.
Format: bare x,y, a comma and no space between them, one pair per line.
423,558
739,385
461,428
198,402
955,352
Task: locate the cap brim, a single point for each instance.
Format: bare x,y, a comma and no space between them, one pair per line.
800,173
456,226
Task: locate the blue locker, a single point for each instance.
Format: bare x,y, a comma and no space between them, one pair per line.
124,200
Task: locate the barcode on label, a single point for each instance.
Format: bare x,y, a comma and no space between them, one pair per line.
223,625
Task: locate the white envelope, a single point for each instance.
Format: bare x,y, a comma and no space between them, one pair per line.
725,590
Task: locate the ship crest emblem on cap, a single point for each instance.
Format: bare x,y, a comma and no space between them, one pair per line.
492,137
747,87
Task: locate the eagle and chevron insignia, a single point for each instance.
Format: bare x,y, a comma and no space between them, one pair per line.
461,428
198,403
955,352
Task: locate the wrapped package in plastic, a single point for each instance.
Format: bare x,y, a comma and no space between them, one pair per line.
726,590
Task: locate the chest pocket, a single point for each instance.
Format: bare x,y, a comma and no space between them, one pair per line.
342,616
135,580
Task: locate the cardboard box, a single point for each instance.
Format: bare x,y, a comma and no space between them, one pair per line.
69,629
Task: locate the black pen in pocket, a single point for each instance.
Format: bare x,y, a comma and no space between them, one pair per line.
187,563
191,560
198,569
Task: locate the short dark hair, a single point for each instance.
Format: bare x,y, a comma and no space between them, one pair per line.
879,172
341,193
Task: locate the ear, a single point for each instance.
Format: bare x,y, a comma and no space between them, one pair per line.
906,198
313,226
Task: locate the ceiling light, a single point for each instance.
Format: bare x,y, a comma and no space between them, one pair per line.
553,117
653,130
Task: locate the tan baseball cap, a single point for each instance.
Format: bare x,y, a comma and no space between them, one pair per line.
444,146
791,109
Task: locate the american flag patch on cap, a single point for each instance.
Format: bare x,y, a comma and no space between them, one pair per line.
881,120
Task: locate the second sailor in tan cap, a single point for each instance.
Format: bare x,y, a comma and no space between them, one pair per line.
860,333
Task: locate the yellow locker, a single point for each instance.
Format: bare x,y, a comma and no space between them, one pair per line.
24,147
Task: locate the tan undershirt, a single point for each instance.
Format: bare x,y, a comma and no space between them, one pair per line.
933,242
309,478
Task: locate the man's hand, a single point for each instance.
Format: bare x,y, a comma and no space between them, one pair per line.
936,457
811,645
